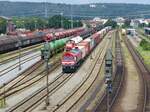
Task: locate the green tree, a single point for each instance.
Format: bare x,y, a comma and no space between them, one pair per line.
55,22
145,44
33,23
112,23
142,25
3,24
127,23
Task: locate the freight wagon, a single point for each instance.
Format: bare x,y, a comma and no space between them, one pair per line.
9,42
83,35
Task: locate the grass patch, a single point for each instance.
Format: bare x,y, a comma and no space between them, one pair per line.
2,103
145,55
145,45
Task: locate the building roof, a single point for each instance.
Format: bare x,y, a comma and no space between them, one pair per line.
5,17
146,28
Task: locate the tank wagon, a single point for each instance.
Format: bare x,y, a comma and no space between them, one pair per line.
55,46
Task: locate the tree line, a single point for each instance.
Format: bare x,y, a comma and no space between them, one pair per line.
33,23
107,10
2,25
56,21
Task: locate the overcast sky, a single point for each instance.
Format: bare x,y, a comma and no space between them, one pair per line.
89,1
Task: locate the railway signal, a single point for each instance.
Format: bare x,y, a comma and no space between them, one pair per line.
46,53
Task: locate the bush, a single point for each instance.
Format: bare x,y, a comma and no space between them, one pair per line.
145,44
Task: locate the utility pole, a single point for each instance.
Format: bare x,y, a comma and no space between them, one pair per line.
35,24
23,22
46,58
71,16
47,101
4,95
19,45
3,98
107,101
108,92
46,15
54,42
62,22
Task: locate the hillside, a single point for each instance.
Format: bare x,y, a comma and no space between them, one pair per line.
104,10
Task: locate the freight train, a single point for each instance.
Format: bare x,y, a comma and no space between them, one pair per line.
58,45
87,33
9,42
72,59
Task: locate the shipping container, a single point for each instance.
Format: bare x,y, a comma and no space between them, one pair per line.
83,50
91,41
86,45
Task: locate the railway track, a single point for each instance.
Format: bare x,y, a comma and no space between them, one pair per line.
20,77
40,95
117,80
90,98
14,66
142,35
35,99
81,89
145,75
5,58
12,86
28,102
28,78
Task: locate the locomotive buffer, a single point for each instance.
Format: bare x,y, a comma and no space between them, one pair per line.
108,75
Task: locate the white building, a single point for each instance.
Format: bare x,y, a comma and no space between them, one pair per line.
137,22
120,21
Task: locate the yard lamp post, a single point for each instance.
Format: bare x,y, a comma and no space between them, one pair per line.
46,58
71,16
35,24
23,22
62,22
4,95
19,46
